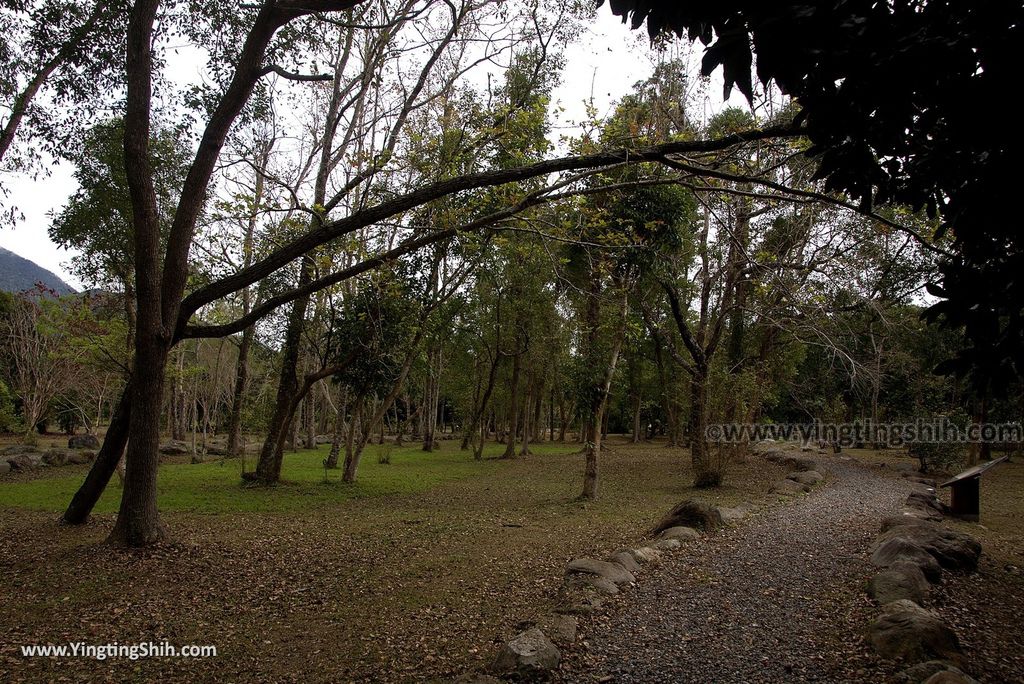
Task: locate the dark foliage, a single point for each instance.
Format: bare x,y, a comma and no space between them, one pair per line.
899,100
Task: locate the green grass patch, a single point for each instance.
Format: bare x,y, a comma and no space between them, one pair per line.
216,486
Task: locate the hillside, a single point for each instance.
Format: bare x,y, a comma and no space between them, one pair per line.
18,274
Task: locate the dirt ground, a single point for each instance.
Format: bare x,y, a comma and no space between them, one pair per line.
416,576
383,587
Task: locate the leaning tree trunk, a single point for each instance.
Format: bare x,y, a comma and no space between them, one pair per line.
105,464
593,421
484,400
268,469
352,463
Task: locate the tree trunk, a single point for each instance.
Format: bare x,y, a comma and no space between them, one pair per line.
705,475
527,426
177,413
596,401
138,522
339,430
669,404
235,446
538,405
158,293
492,377
105,464
308,418
431,399
562,422
268,469
637,427
513,424
351,455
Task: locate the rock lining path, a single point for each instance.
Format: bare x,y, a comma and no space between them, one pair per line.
768,600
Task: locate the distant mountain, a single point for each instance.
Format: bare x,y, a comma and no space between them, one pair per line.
18,274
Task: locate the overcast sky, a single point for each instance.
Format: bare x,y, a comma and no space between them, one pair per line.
604,63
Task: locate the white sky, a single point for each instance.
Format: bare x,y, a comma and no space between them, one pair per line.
604,64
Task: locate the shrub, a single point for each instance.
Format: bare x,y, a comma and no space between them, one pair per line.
8,417
942,456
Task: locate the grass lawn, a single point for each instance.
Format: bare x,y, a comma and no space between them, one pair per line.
414,573
215,486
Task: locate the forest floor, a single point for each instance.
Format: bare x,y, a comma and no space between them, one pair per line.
416,573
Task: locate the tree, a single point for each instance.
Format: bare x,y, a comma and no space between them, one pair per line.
63,49
97,221
887,95
41,352
165,313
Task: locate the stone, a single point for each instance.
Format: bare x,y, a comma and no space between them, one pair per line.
216,450
907,632
55,457
896,549
667,545
789,488
731,515
613,572
5,467
81,457
807,477
626,560
579,602
915,674
85,441
529,654
950,676
690,513
477,678
643,554
596,583
921,514
927,503
953,550
174,448
21,462
16,449
577,597
799,463
683,534
561,628
901,580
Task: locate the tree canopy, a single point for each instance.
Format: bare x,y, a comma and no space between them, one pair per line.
894,98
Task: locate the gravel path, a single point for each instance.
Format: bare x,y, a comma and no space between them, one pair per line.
769,600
